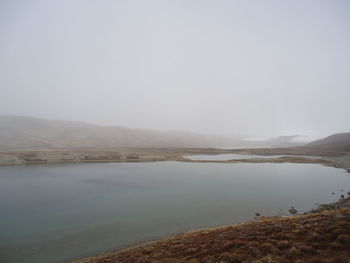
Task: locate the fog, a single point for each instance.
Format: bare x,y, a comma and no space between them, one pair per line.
246,68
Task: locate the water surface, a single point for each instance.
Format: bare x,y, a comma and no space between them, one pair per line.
234,156
55,213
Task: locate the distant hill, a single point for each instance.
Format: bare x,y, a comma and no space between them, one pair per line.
277,142
336,142
284,141
17,132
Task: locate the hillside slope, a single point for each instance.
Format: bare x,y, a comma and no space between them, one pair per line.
337,142
17,132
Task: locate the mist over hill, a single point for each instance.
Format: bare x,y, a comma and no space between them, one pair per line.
18,132
281,141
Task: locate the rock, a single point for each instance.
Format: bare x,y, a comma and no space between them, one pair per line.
292,210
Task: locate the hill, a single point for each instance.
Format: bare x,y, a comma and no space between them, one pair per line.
18,132
336,142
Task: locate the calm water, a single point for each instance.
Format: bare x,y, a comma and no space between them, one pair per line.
62,212
233,156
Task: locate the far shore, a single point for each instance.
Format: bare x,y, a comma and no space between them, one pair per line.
125,154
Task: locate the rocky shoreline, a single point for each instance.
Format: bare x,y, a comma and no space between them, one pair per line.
341,203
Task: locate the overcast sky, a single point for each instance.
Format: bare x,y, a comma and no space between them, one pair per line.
255,68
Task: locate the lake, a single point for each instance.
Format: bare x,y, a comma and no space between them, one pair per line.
56,213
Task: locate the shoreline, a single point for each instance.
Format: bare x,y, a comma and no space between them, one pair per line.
335,210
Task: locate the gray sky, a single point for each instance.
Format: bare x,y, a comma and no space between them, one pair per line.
255,68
